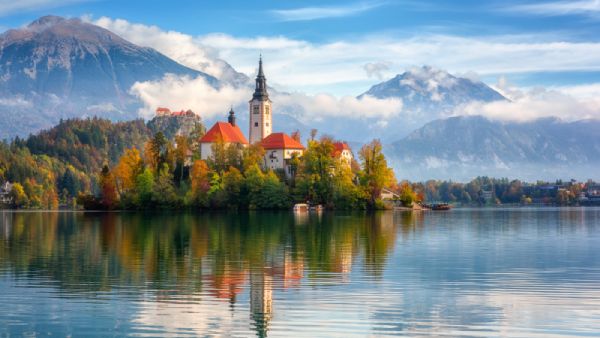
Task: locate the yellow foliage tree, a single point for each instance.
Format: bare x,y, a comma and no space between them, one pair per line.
125,172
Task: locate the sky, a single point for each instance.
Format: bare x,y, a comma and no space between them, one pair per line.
341,48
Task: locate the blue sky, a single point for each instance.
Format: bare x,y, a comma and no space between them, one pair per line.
330,21
326,20
341,48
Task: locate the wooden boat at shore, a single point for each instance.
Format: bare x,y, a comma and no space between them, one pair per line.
305,207
438,206
301,207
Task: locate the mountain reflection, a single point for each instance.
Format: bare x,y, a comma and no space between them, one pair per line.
223,256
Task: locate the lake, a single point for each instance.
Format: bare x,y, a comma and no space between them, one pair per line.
520,272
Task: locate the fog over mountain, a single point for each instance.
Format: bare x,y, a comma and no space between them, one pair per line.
427,94
468,146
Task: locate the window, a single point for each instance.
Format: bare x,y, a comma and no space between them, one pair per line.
255,111
267,124
267,110
256,124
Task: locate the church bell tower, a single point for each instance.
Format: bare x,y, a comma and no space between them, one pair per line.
260,109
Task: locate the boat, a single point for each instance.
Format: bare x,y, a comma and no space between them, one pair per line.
438,206
305,207
317,208
301,207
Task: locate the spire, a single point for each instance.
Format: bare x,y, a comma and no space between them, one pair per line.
260,91
231,118
260,70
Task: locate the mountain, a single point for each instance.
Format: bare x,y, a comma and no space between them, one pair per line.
59,68
468,146
427,94
428,88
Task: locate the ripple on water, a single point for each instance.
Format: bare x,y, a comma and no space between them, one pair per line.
479,273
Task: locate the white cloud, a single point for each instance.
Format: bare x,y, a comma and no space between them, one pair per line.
183,48
9,7
566,103
183,92
324,77
14,102
377,69
314,13
556,8
339,67
316,107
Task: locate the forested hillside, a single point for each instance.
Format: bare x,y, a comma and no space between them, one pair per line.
56,165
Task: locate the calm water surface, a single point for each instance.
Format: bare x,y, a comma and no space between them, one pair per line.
487,272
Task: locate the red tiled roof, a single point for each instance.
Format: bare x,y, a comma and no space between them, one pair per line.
280,141
163,110
340,146
224,130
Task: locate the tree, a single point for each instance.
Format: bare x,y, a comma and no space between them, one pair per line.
200,183
70,182
126,171
254,179
273,193
233,182
375,173
158,151
108,189
163,190
252,155
316,172
18,195
181,152
407,195
144,188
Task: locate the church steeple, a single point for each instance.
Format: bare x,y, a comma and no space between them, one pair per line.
260,92
231,118
261,122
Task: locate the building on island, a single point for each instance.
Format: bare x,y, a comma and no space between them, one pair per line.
227,132
280,149
5,193
342,152
261,123
161,111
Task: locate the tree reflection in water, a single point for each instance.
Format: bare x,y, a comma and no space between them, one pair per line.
223,256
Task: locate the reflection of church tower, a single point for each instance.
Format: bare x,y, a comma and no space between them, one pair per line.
261,301
260,109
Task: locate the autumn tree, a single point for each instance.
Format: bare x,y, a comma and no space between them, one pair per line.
126,171
200,183
315,181
19,197
108,189
375,173
181,151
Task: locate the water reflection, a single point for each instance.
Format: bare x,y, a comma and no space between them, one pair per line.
457,273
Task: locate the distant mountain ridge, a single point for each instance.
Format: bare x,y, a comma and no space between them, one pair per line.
427,94
59,68
430,88
468,146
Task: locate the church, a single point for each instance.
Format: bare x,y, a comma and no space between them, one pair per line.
279,147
